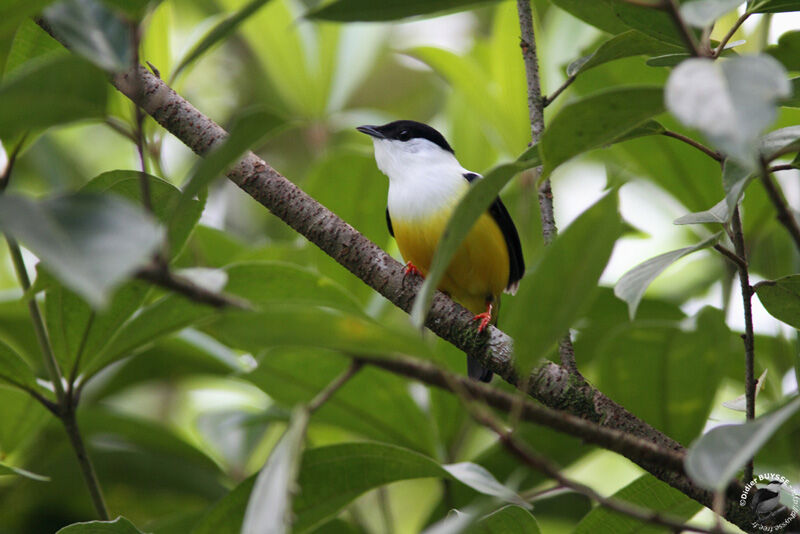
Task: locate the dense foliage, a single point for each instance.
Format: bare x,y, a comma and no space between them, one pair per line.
183,334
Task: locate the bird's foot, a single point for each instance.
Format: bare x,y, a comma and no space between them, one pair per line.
485,318
411,269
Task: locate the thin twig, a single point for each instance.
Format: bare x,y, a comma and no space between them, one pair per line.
611,439
674,11
721,46
548,99
782,167
87,468
536,104
689,141
44,401
324,395
543,465
76,365
785,216
5,178
735,259
737,236
156,274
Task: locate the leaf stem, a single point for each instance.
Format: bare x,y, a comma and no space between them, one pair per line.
737,236
721,46
87,468
732,256
673,9
324,395
5,178
548,99
785,217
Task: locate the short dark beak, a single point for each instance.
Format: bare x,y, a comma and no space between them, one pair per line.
370,130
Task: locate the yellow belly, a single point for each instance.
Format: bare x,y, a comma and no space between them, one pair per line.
478,272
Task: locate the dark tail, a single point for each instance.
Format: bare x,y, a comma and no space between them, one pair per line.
478,372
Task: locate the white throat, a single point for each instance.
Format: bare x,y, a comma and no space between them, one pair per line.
424,179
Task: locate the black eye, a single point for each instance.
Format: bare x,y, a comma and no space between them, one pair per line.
404,135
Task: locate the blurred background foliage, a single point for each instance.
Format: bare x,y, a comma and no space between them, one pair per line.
184,404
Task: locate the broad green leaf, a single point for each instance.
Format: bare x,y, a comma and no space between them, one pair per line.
330,478
269,508
647,492
597,120
597,13
735,179
163,198
715,458
648,128
475,203
780,142
654,22
118,526
135,9
718,213
219,32
246,131
781,298
772,6
53,91
21,419
294,376
666,373
30,43
787,51
573,263
368,10
14,12
626,44
90,29
507,520
632,285
89,242
14,368
6,469
730,101
480,479
701,13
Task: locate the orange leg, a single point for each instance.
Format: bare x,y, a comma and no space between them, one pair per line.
484,318
411,269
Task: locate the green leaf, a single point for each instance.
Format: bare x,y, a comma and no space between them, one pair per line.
772,6
787,51
163,198
626,44
539,317
118,526
730,101
781,298
53,91
474,203
90,29
219,32
507,520
30,43
14,368
89,242
715,458
648,128
246,131
647,492
270,504
330,478
653,22
6,469
367,10
735,179
597,120
293,376
666,373
632,285
701,13
599,14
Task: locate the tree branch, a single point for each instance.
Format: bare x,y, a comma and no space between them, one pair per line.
721,46
689,141
785,216
536,104
737,236
549,383
732,256
633,448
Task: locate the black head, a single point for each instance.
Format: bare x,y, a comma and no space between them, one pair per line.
405,131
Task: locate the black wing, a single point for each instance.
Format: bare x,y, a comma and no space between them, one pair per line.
389,222
501,216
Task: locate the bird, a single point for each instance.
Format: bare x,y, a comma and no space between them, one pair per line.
426,183
767,500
